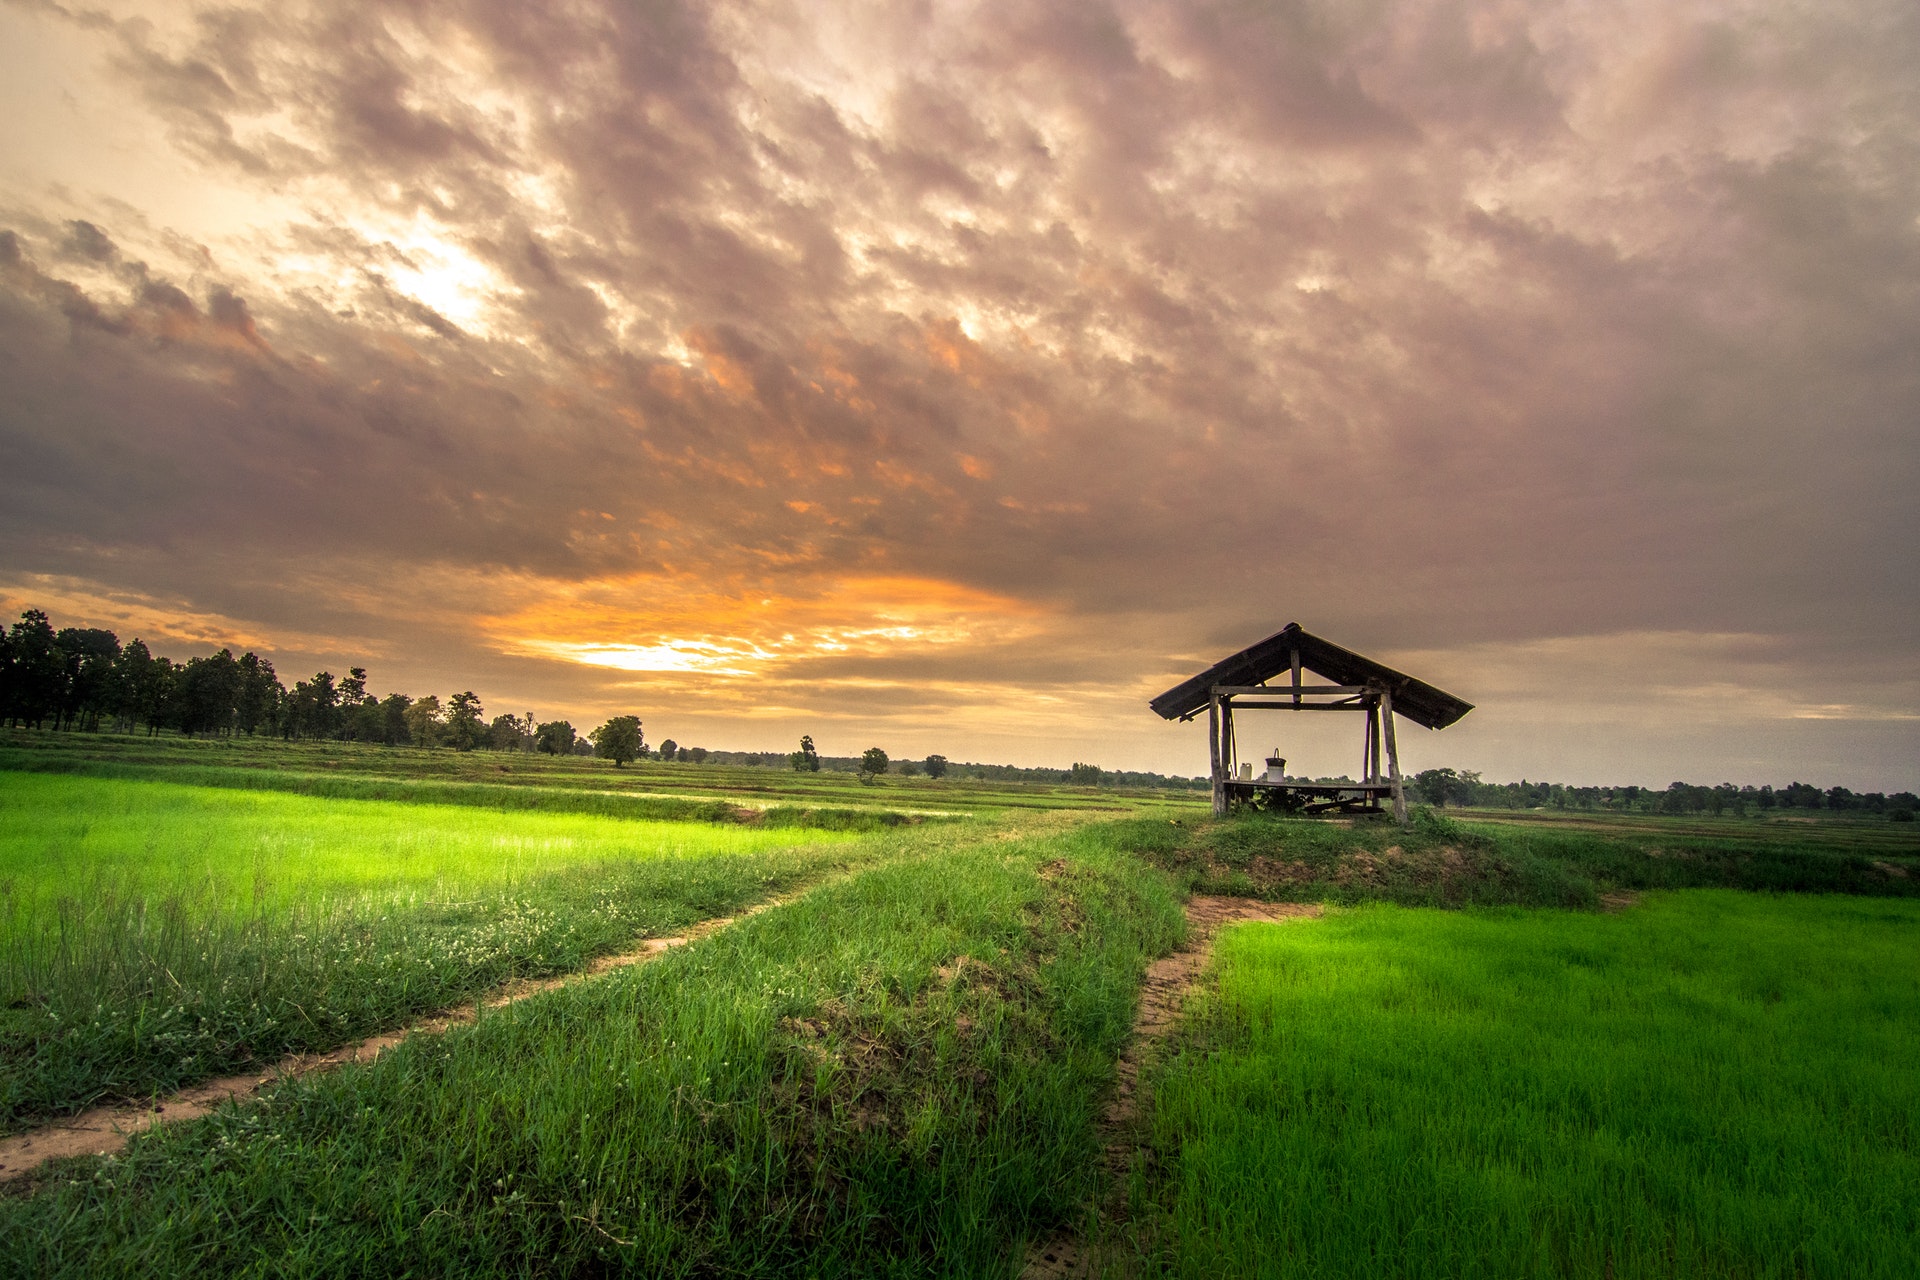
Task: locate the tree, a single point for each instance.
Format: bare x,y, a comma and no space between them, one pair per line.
393,720
697,754
510,733
936,766
423,721
464,723
806,759
873,763
668,750
313,708
909,768
618,740
556,738
1800,795
86,657
34,670
146,686
1085,775
207,691
260,693
1438,787
360,719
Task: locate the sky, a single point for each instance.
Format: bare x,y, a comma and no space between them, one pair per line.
954,377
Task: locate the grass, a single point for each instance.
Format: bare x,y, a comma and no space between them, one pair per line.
1438,860
66,837
157,934
1711,1084
897,1074
1816,831
553,789
647,789
900,1073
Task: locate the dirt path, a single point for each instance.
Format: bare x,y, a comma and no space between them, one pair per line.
105,1130
1166,984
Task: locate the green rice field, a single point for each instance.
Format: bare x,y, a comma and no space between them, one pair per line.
1517,1045
80,839
1709,1084
894,1075
643,789
153,934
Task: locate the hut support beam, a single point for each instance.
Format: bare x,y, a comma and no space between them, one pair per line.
1393,760
1373,732
1213,756
1368,763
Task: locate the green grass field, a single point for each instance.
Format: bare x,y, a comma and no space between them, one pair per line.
79,840
154,934
901,1073
1710,1084
643,789
895,1075
1440,860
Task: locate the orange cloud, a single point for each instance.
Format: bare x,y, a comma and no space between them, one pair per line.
726,371
739,628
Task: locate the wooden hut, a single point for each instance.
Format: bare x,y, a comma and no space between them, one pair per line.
1245,682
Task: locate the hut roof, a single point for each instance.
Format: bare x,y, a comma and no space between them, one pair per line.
1417,700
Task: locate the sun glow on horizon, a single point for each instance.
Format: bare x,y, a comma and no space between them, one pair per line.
745,630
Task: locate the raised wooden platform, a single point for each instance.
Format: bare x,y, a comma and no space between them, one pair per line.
1310,797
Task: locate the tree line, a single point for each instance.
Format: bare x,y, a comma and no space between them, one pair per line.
1440,787
83,678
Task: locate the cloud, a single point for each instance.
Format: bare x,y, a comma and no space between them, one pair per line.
1155,325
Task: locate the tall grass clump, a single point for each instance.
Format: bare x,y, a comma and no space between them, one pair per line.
897,1074
1713,1084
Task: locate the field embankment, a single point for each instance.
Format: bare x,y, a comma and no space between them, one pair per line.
1443,861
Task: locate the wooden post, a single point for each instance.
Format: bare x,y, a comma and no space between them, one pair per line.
1213,756
1373,726
1393,760
1296,676
1366,747
1229,745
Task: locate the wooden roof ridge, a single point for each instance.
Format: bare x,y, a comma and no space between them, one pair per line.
1417,700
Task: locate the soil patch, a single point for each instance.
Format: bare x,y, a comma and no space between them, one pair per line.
105,1130
1162,991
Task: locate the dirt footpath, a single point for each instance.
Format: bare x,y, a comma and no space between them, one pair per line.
1161,993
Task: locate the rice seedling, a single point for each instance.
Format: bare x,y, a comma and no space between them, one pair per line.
1711,1084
